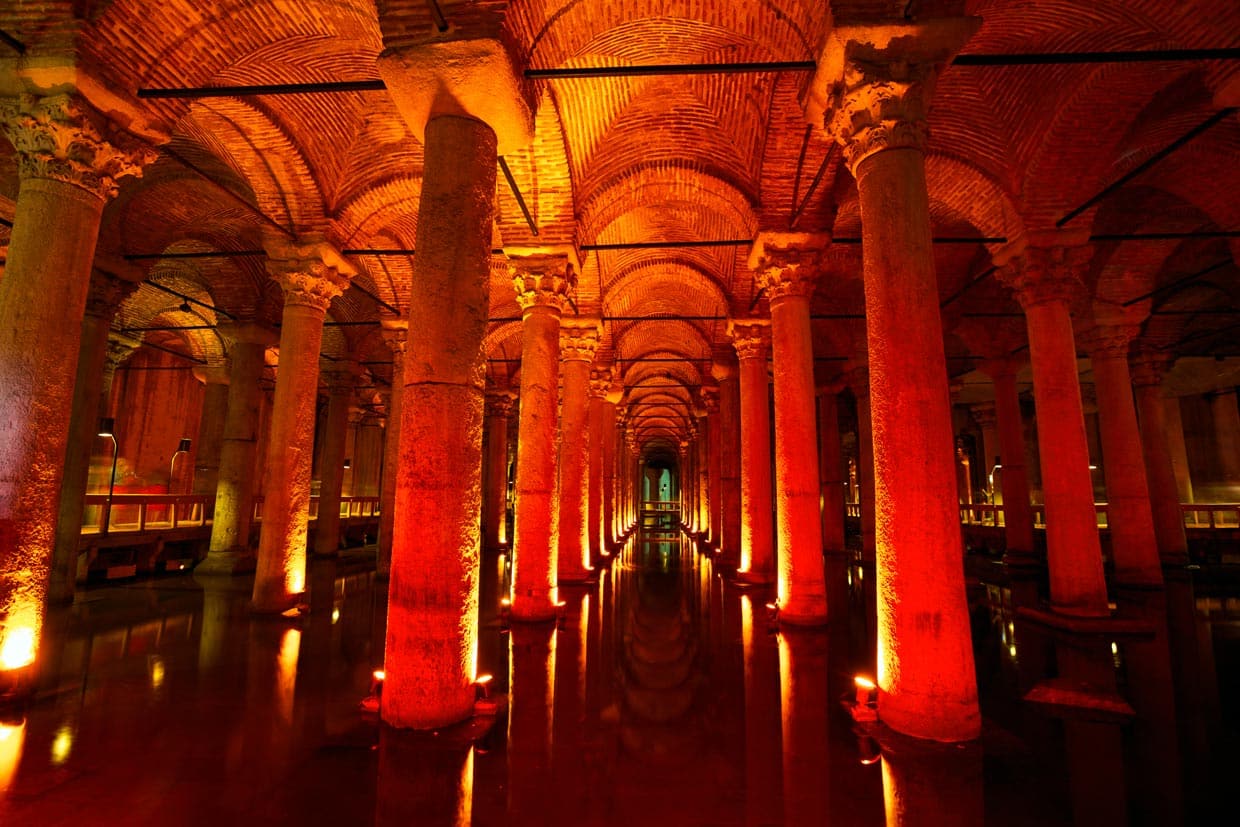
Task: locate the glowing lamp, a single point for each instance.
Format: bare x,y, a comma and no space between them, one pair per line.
62,745
1114,648
482,685
869,750
335,615
865,690
505,602
376,682
107,426
17,650
348,463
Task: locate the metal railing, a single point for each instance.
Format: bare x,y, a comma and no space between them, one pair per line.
146,512
1196,515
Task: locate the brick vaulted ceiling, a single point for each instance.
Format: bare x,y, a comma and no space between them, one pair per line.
658,159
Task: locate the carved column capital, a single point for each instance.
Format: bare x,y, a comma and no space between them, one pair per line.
106,294
874,82
1040,275
543,281
61,138
749,337
120,348
309,270
579,339
393,332
857,376
500,402
600,382
340,377
984,414
1109,341
710,398
1148,367
788,264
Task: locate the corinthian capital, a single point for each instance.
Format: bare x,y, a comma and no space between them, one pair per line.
1109,341
309,270
579,339
600,382
788,264
749,337
544,280
874,82
61,138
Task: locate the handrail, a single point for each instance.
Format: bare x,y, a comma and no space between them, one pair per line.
141,512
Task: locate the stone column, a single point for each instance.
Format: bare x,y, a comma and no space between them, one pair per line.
714,465
311,274
500,403
105,296
543,285
986,418
831,471
234,493
687,476
757,555
1226,417
1147,370
210,429
578,344
1045,278
340,381
393,332
1179,451
1134,550
68,167
616,489
880,83
724,369
1013,479
859,383
787,266
602,426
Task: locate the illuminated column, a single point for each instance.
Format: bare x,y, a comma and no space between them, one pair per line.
340,382
804,706
1134,549
1046,278
724,369
1179,451
616,489
757,555
632,472
686,482
602,426
787,266
1013,479
1226,416
702,466
105,296
499,406
1147,370
394,332
831,471
859,383
607,427
234,493
210,430
986,418
714,464
531,716
543,284
878,104
578,343
311,274
67,170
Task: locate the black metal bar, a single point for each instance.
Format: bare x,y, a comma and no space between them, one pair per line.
195,254
441,22
796,179
13,43
1195,313
1205,334
939,239
171,153
375,299
380,251
5,221
654,69
516,192
995,315
1149,162
1165,236
671,245
1050,58
328,87
813,186
967,286
168,327
351,324
189,299
1178,282
185,356
757,297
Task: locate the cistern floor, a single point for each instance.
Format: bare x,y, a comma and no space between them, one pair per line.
663,697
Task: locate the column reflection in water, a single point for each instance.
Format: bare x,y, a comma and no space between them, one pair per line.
762,721
804,704
568,751
12,739
424,779
929,785
531,698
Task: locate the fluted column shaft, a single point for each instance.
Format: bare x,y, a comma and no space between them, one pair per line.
578,343
543,284
757,561
311,275
1134,549
67,171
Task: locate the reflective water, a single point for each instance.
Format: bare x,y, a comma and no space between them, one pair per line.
662,697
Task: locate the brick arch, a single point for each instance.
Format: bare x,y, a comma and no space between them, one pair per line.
668,185
1166,330
542,172
664,287
151,307
635,339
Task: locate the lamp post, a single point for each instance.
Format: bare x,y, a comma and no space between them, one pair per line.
182,448
107,427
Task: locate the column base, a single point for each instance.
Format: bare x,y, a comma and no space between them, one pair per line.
16,687
803,618
227,563
577,578
533,610
276,604
755,578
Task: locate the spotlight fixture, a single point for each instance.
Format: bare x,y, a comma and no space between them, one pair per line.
107,426
185,308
